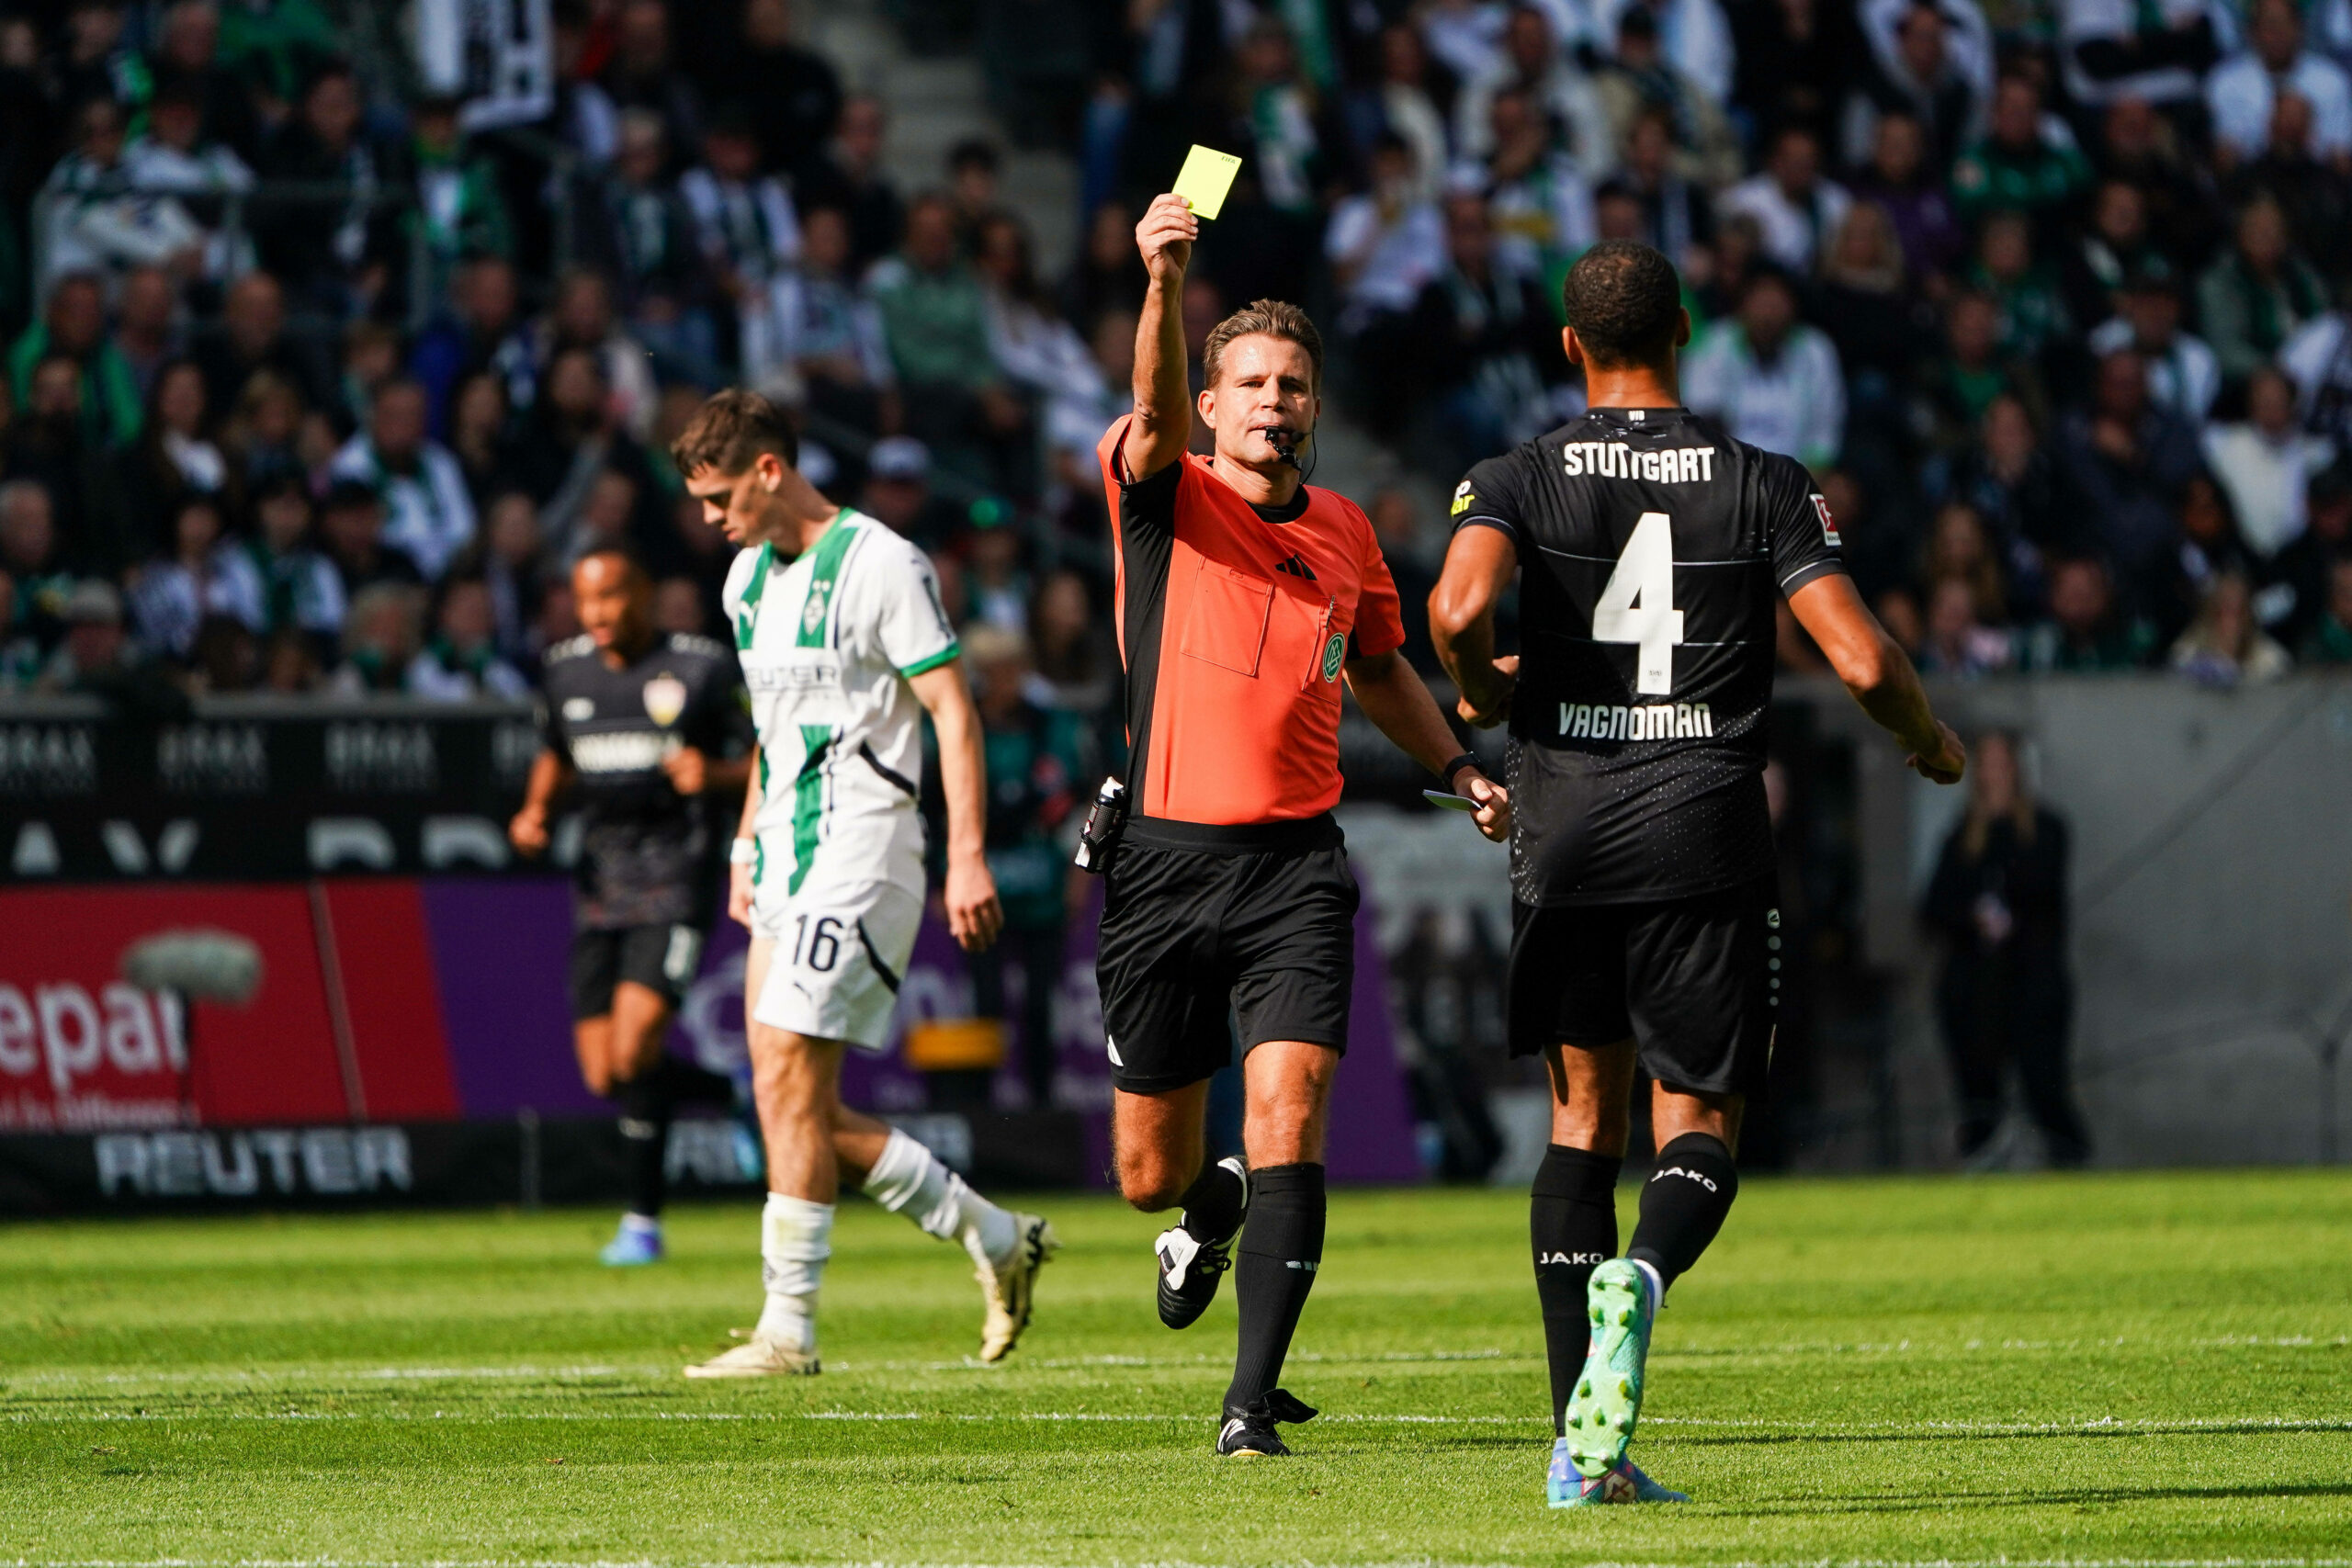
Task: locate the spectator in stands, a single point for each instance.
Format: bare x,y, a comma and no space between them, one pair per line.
2311,190
96,657
1075,665
1541,197
252,337
96,223
431,516
172,459
1900,181
147,328
2224,645
480,438
816,338
1532,62
72,326
1961,382
48,445
457,209
794,96
1771,379
330,251
851,180
2242,90
1917,67
2033,318
1642,79
2023,165
2156,53
1879,329
512,562
646,238
176,158
483,334
572,439
1696,37
2184,374
1677,215
2252,300
1485,341
97,60
2115,247
1795,208
642,74
1109,274
2084,635
2007,477
1793,57
934,318
461,660
205,574
1036,779
2006,1000
381,636
2125,462
301,592
1400,101
2331,640
351,526
2266,462
897,491
30,556
1957,643
1385,241
749,232
974,169
187,61
582,316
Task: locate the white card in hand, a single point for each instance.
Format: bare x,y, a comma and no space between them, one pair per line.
1450,800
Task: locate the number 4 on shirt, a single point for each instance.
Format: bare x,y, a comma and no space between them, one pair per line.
1637,606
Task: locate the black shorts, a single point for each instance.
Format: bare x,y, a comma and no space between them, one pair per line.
1198,921
1694,982
661,958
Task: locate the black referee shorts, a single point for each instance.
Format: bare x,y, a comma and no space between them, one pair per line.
1197,922
1693,982
662,958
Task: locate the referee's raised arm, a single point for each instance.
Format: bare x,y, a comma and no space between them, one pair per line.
1163,421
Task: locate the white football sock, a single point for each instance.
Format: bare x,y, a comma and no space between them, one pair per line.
795,1238
909,1180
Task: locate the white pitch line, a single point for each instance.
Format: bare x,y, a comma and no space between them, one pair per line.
1169,1563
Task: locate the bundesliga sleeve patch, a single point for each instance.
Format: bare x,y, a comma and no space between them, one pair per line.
1461,499
1828,523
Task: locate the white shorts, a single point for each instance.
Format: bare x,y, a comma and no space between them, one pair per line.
839,955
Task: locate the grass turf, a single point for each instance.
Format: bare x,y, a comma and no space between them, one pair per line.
2110,1368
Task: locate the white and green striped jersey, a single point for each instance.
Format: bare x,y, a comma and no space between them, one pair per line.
828,643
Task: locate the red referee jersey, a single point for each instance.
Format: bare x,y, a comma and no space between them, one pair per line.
1235,623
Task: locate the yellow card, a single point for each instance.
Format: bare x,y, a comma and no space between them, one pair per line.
1206,175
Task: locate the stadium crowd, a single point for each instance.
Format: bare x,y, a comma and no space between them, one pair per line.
313,388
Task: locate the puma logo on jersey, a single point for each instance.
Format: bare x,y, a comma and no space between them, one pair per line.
1573,1259
1617,461
1648,721
1705,1181
1297,567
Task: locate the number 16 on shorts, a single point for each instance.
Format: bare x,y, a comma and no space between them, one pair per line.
817,942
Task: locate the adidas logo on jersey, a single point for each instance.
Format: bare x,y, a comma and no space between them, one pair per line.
1648,721
1297,567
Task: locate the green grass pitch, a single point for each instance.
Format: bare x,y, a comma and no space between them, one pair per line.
2105,1369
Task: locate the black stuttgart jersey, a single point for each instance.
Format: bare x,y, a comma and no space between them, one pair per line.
647,853
1652,548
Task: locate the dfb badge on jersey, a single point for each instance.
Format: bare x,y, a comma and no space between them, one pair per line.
1828,523
1335,653
665,699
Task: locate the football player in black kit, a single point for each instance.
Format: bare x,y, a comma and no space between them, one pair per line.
643,726
1652,548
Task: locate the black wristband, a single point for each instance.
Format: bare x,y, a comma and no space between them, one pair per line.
1467,759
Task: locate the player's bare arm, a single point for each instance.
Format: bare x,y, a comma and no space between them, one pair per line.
694,771
1394,698
549,778
974,913
1479,564
1163,420
1879,674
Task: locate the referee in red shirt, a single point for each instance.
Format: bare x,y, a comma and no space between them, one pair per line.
1244,596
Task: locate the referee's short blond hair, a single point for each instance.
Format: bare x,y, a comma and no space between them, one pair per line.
1267,317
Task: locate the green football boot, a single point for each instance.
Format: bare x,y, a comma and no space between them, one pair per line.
1622,1303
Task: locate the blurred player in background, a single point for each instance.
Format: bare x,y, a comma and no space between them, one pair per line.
845,644
1652,551
644,726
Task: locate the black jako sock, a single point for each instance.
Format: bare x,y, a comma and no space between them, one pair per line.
1211,1205
645,1135
1281,1250
1572,1222
1683,1203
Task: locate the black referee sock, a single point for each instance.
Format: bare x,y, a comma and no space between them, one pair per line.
1211,1205
1572,1221
1281,1249
644,1105
1683,1203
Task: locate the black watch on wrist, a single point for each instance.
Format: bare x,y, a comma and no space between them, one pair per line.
1467,759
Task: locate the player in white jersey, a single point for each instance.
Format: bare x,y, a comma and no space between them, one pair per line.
845,646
